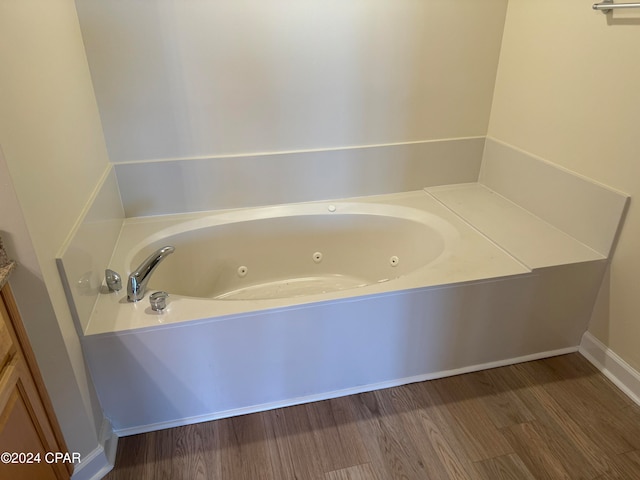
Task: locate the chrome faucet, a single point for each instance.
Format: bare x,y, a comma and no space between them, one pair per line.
137,283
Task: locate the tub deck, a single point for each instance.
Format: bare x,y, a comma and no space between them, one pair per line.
531,240
498,239
481,254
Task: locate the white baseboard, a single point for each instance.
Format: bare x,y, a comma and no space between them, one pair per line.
338,393
623,375
93,466
101,460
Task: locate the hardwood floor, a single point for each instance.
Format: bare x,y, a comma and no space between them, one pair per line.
556,418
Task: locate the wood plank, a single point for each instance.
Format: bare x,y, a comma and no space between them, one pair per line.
338,438
507,467
532,448
502,404
438,426
579,452
398,444
435,446
226,450
364,411
188,455
276,460
395,448
628,465
625,466
135,457
296,443
634,457
477,433
605,427
356,472
249,441
574,366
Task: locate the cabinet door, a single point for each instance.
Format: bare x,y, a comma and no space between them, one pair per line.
25,426
19,428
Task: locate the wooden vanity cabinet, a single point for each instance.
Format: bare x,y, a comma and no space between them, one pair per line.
28,426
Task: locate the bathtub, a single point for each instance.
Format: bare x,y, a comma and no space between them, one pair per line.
296,250
246,260
279,305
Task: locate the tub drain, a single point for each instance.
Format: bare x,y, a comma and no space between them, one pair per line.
242,271
393,261
317,257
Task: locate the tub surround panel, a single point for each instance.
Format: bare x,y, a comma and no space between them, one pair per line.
88,250
188,185
588,211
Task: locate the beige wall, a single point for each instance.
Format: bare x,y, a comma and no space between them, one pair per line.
54,154
179,79
567,91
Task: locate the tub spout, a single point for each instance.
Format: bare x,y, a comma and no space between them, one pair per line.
138,280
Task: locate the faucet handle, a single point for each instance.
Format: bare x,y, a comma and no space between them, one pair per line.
158,301
114,281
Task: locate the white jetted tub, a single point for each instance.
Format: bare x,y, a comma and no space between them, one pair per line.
296,250
279,305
